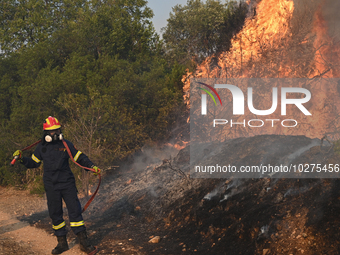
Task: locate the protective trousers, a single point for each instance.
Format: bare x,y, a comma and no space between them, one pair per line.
55,209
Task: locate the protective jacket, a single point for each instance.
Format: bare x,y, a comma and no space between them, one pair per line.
57,172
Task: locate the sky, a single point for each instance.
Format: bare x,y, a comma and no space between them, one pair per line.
161,10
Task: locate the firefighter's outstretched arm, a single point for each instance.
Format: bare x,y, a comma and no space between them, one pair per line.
32,162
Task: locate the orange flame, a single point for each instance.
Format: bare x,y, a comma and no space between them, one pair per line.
179,145
277,44
327,50
248,46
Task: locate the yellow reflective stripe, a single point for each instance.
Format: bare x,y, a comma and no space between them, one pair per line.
53,127
61,225
35,159
77,155
77,224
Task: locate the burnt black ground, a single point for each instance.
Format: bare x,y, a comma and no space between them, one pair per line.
260,216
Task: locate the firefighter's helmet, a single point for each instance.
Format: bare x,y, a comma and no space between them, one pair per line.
51,123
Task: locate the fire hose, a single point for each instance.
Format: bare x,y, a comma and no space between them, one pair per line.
87,168
70,154
25,149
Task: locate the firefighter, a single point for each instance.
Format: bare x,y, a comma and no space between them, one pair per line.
59,183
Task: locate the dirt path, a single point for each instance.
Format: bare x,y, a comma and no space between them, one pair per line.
19,237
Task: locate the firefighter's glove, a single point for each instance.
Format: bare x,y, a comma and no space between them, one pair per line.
96,170
18,155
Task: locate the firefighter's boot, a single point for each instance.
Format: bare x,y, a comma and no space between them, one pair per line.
84,244
62,245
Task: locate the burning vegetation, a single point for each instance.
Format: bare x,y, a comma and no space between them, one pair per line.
278,41
281,39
